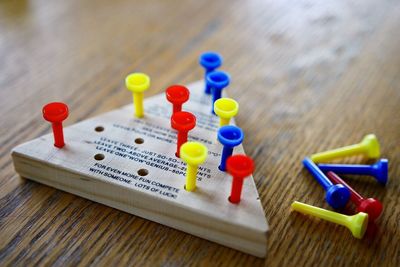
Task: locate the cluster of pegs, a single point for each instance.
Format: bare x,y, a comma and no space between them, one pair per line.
339,193
192,153
230,136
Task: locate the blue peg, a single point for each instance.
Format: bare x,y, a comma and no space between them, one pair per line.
379,169
217,80
210,61
229,136
336,195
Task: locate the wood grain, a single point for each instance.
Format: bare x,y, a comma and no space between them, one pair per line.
309,75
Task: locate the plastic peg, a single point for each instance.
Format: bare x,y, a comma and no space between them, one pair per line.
229,136
371,206
217,80
56,113
379,169
336,195
225,108
193,154
240,167
210,61
369,147
137,83
183,122
357,223
177,95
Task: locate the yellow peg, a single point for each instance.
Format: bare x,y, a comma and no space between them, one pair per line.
225,108
137,83
369,147
357,223
194,154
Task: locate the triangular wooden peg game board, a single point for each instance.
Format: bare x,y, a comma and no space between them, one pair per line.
129,163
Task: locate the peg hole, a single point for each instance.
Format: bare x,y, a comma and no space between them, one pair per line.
99,157
99,129
143,172
139,141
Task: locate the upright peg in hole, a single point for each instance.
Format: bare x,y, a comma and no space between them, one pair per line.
194,154
182,122
56,113
217,80
229,136
210,61
240,167
177,95
225,108
137,83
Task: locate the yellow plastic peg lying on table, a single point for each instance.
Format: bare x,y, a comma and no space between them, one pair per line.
369,147
137,83
357,223
194,154
225,108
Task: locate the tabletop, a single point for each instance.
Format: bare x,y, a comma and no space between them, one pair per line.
309,75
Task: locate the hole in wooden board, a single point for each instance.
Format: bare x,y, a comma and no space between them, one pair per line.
99,157
99,129
139,141
143,172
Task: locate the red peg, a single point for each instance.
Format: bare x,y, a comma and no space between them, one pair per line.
177,95
371,206
183,122
240,167
55,113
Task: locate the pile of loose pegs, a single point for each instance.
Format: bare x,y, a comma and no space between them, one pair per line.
339,193
192,153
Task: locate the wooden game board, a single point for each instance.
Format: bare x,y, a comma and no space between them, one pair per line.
130,164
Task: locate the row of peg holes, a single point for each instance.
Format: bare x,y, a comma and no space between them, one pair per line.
139,141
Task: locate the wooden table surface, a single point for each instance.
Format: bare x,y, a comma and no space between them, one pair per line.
309,75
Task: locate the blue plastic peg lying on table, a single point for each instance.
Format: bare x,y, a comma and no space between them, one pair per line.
337,195
379,169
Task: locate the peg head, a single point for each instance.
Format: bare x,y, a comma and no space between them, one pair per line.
193,153
210,60
381,169
218,79
226,108
240,166
177,94
337,196
372,207
183,121
55,112
372,147
137,82
230,135
358,224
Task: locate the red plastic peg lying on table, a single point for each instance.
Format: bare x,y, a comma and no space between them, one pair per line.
55,113
371,206
177,95
183,122
240,167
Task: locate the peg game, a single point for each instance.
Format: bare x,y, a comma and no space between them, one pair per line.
175,158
